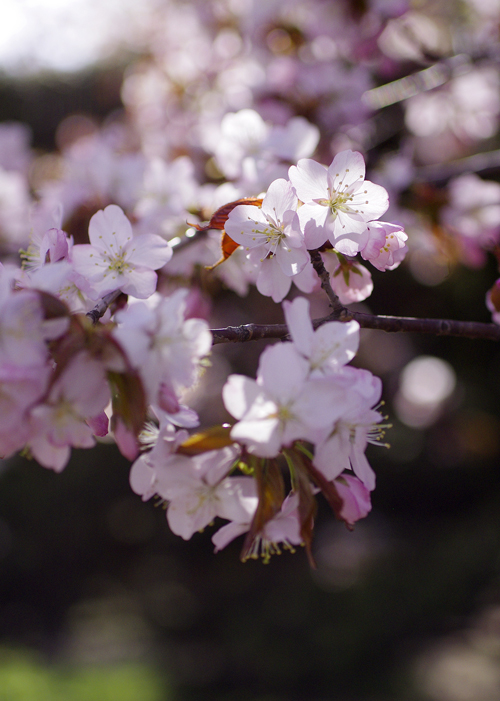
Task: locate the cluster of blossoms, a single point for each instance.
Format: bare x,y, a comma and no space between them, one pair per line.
59,373
308,415
307,410
337,211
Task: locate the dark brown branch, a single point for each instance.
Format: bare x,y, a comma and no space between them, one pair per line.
319,267
102,306
391,324
248,332
437,327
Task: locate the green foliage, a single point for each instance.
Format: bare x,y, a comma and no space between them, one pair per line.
24,677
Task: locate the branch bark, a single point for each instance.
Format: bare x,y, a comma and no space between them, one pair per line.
319,267
102,305
391,324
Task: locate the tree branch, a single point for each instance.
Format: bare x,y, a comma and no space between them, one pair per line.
437,327
391,324
319,267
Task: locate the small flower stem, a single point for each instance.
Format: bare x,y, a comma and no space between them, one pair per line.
291,468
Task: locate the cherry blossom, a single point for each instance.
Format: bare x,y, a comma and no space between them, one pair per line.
202,491
271,231
473,216
21,387
168,189
350,280
115,259
97,169
360,424
328,348
282,530
282,405
338,202
385,247
248,148
214,113
59,423
147,474
165,347
356,498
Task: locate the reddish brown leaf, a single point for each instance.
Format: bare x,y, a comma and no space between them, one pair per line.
211,439
307,507
328,489
271,493
128,400
218,221
219,217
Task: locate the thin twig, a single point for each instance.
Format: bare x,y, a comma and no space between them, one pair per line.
319,267
102,305
248,332
423,80
444,171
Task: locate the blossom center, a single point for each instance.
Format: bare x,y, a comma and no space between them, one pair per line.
274,232
118,264
285,414
337,202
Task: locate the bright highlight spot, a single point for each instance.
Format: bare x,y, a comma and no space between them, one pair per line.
424,385
68,35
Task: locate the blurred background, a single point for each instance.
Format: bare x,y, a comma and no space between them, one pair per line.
98,600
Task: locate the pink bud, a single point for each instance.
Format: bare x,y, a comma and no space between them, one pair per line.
54,246
356,498
125,440
99,424
167,399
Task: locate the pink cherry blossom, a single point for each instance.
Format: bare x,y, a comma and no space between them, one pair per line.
59,423
116,260
344,447
21,387
248,148
338,202
350,280
328,348
385,247
99,424
163,345
282,405
282,530
203,491
356,497
271,231
149,475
